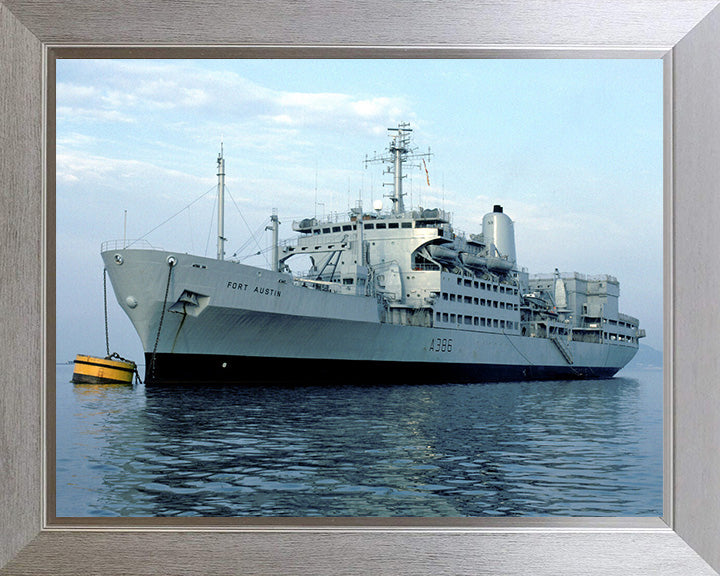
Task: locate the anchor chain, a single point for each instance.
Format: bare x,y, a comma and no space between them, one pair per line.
151,371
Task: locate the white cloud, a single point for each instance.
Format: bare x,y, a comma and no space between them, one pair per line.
66,177
82,114
118,99
378,107
75,167
143,87
75,139
70,92
283,119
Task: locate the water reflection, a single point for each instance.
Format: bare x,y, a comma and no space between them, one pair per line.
565,448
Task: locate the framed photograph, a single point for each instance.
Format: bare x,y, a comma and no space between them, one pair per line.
407,545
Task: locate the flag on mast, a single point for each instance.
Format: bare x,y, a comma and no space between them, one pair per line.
427,174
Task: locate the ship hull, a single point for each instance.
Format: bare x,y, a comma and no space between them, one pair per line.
204,320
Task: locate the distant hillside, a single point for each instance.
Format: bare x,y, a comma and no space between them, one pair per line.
647,358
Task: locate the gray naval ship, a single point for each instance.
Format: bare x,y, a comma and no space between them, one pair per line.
391,296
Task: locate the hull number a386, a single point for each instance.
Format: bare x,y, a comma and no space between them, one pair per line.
441,345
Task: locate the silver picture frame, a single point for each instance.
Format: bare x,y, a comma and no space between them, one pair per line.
684,33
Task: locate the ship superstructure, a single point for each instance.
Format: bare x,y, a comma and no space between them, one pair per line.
398,294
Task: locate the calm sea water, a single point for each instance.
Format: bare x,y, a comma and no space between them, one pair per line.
586,448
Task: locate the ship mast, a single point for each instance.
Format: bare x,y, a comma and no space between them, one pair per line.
221,205
399,151
274,226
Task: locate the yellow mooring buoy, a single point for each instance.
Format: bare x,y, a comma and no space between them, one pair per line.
109,370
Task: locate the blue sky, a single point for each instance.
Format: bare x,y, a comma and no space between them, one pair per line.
571,148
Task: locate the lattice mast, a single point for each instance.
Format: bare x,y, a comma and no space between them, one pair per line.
399,152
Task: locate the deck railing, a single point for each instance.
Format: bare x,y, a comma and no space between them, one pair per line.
140,244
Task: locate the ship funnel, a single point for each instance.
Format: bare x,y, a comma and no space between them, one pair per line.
499,230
